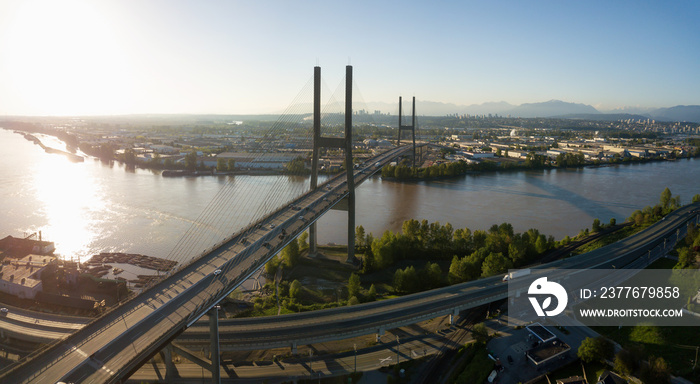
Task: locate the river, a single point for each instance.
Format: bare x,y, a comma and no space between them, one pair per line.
92,207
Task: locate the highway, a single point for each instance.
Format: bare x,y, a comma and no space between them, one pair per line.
345,322
111,347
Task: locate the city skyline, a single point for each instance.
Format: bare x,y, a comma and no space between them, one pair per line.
95,58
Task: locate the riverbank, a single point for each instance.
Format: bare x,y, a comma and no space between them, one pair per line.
71,156
408,174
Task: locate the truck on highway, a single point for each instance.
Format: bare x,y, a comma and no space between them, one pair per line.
516,274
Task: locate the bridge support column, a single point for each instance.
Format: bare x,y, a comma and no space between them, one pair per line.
294,348
170,370
334,142
453,316
191,357
380,333
215,353
411,127
314,156
349,166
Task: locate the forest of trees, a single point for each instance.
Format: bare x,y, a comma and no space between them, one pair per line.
472,254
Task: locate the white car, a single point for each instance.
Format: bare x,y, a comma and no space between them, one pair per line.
218,271
4,310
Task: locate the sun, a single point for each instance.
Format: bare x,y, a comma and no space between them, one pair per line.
66,57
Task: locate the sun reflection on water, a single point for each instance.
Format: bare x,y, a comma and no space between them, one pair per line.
71,202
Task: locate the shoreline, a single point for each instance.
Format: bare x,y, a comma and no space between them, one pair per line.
71,156
549,168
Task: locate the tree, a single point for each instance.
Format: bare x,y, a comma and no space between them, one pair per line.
624,362
296,166
360,237
657,372
666,198
685,258
480,333
595,349
517,252
383,250
295,289
272,265
540,244
304,241
368,263
696,198
433,275
231,164
221,165
291,254
191,161
372,293
354,285
596,225
129,156
613,222
495,263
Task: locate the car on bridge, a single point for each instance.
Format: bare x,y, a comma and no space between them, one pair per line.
217,272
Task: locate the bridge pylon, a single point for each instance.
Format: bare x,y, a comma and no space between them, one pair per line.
334,142
411,127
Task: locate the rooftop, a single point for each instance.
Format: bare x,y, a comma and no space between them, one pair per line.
547,351
24,271
541,332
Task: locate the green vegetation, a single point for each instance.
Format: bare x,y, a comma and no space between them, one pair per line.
296,167
595,349
481,253
688,251
650,215
404,172
644,342
423,256
472,364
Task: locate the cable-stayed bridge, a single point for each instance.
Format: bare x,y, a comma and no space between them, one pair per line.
112,346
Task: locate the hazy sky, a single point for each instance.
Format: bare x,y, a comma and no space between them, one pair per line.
88,57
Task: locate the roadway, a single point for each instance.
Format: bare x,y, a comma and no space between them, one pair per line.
376,317
109,348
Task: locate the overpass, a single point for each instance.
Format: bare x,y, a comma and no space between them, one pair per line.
635,252
292,330
109,348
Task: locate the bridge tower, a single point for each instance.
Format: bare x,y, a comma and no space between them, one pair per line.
334,142
411,127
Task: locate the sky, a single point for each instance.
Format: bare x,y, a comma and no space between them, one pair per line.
107,57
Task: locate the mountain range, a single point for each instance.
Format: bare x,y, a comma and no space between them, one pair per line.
552,108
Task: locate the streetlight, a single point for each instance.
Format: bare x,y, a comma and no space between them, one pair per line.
398,347
355,346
